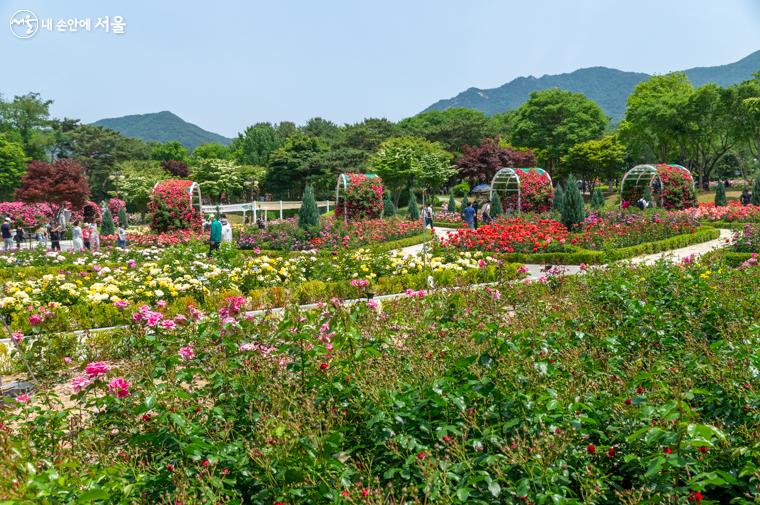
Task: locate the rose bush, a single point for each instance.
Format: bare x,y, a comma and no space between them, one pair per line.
170,207
362,199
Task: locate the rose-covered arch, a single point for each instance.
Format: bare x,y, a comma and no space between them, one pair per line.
175,204
359,196
671,185
523,189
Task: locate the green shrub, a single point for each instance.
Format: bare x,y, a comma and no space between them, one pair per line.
756,191
720,195
413,211
461,189
572,205
597,199
308,214
106,225
496,209
389,210
558,199
452,207
123,218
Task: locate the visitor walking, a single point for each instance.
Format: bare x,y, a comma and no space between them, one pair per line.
486,213
77,242
7,236
19,237
469,216
261,224
475,217
427,214
55,237
86,236
215,237
95,237
121,239
746,197
226,231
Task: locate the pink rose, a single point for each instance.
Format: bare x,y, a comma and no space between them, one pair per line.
119,387
23,398
35,320
96,369
80,383
17,337
186,353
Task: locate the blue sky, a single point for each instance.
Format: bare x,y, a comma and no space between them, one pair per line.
227,64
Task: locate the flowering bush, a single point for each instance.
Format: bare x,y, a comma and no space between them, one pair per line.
27,214
733,212
511,235
535,192
362,199
677,190
115,205
89,213
616,229
170,207
747,239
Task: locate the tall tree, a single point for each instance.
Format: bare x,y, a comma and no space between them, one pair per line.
653,125
258,142
749,114
603,158
322,129
176,168
134,181
12,167
294,164
368,135
166,151
452,128
406,162
308,214
59,183
214,150
100,149
218,179
28,115
480,163
553,120
63,137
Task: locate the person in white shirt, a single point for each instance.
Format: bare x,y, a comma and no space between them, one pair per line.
226,231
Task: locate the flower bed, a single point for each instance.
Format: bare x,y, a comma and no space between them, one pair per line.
27,214
747,240
170,207
535,192
734,212
332,234
611,230
511,235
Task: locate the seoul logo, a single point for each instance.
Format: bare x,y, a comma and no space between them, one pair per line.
24,24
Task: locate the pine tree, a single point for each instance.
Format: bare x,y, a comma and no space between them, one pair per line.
389,210
465,203
558,199
414,212
597,199
308,214
572,205
756,192
496,208
452,204
106,225
123,218
720,195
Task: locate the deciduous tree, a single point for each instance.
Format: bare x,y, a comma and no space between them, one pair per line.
12,167
59,183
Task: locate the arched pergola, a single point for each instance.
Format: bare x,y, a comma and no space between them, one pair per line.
344,181
637,179
507,183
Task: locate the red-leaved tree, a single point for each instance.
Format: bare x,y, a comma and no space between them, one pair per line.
60,184
175,168
480,163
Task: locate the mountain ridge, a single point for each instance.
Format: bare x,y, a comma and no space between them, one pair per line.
609,87
163,126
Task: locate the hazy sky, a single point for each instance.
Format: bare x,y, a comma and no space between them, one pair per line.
227,64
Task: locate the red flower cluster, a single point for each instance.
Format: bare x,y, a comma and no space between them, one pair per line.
171,208
362,199
734,211
511,235
27,214
355,233
156,239
677,187
535,192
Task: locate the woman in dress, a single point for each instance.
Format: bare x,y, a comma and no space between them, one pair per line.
76,237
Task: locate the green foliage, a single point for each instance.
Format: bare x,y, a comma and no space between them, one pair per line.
647,194
12,167
553,121
134,182
414,211
216,151
25,118
558,199
603,158
597,199
172,150
256,144
217,178
297,162
464,205
453,128
720,195
496,208
452,205
572,205
406,162
461,189
389,210
756,191
106,225
123,218
308,214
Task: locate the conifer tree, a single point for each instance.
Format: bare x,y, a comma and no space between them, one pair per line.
572,205
308,214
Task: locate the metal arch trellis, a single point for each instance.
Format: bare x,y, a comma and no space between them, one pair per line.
644,175
507,180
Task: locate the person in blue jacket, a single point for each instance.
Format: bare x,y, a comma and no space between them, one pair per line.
469,216
215,237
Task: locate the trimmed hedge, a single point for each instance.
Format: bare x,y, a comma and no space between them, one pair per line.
379,247
730,258
442,224
731,225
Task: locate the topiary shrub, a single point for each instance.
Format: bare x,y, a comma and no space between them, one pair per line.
414,211
465,203
106,227
720,195
452,207
558,199
597,199
308,214
389,210
755,200
123,218
496,209
572,205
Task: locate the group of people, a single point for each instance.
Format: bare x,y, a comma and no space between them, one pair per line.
84,236
471,214
220,230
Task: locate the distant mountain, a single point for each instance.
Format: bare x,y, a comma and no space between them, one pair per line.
162,127
606,86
